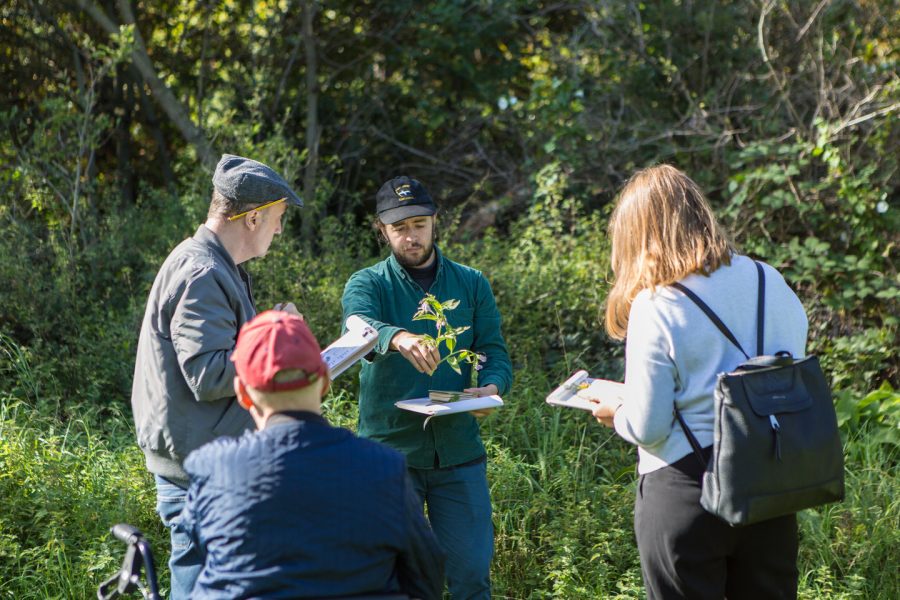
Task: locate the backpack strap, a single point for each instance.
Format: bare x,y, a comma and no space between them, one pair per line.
760,312
695,445
760,329
760,308
712,316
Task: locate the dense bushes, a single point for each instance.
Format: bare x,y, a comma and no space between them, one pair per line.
522,118
562,486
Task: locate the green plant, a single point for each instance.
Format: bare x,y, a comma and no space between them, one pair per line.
64,484
879,411
430,309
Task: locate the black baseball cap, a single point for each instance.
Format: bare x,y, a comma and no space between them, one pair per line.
401,198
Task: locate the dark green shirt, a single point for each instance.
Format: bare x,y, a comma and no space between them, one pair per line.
387,297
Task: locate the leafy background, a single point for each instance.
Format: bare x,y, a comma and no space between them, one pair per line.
523,119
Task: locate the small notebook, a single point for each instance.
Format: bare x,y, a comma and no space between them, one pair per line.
447,396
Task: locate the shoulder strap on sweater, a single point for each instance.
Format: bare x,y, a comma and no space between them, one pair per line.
712,316
760,312
760,309
760,328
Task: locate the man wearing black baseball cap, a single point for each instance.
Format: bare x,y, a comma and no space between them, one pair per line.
402,198
446,459
182,395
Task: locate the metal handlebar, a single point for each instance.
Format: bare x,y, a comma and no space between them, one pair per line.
128,579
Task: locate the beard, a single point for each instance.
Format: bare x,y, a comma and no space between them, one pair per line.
408,259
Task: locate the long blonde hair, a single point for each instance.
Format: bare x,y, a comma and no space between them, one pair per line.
662,229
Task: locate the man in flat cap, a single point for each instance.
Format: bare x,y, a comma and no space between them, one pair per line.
298,508
446,459
183,393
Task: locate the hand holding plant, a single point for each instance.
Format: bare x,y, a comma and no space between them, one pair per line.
431,309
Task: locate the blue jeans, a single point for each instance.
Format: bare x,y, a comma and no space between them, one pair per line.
185,561
459,510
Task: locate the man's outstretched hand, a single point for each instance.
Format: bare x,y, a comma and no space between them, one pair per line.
423,356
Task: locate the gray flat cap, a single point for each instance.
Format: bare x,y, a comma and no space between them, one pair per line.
251,182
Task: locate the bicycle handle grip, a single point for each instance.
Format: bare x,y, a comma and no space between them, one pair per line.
126,533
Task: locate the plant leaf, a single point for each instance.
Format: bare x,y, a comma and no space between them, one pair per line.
434,304
453,361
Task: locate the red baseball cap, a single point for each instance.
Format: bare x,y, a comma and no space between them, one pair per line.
274,341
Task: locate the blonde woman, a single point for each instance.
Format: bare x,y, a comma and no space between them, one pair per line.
663,231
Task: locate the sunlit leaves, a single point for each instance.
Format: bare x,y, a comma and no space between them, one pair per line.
431,309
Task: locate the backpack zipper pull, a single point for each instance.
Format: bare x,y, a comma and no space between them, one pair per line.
776,429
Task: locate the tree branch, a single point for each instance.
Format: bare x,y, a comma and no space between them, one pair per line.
761,42
163,95
812,18
866,117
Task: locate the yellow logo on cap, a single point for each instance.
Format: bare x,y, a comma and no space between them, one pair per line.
404,193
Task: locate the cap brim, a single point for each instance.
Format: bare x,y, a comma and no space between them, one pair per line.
293,199
395,215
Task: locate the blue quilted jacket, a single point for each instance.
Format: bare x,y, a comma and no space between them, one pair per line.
305,510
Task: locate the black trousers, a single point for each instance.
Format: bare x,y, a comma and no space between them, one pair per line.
688,553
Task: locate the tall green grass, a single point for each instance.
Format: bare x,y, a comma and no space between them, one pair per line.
562,490
63,484
562,486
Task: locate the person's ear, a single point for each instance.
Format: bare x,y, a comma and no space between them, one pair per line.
324,383
243,397
252,219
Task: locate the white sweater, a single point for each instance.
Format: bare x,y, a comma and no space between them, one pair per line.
673,353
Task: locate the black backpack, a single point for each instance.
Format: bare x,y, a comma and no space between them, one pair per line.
776,447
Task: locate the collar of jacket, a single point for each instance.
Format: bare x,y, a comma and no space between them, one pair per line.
207,237
292,416
398,269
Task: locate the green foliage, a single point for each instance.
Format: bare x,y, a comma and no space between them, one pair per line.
523,119
549,277
847,549
562,489
432,309
818,212
878,413
64,485
76,316
831,218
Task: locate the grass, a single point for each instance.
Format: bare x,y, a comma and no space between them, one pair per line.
562,486
63,486
562,489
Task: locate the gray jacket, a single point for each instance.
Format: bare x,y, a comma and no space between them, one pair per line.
183,391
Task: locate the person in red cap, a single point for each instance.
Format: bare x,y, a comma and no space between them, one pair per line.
298,508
